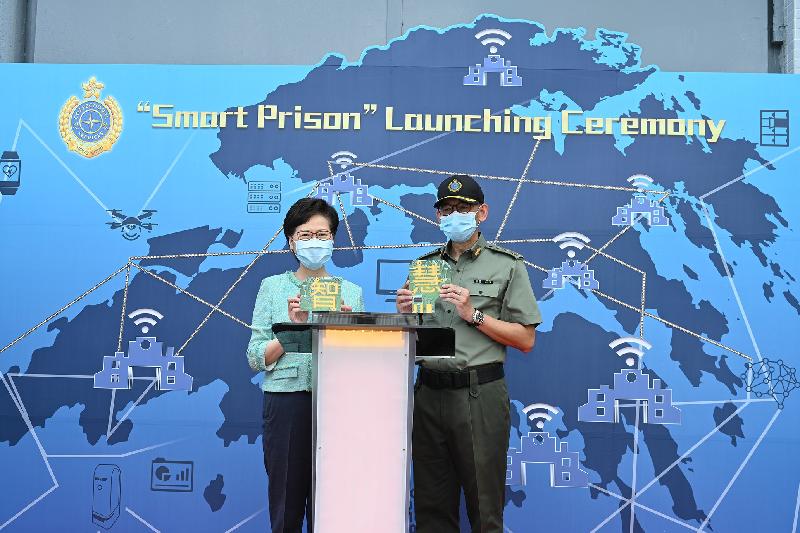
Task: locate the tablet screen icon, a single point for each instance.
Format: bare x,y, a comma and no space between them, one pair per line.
172,476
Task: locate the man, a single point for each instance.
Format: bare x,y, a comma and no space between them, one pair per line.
461,407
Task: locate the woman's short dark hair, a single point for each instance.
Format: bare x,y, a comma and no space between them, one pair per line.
302,211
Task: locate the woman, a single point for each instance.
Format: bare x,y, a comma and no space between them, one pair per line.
310,226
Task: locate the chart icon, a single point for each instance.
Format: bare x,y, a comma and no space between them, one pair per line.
172,476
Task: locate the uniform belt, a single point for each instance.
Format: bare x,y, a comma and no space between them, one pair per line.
440,379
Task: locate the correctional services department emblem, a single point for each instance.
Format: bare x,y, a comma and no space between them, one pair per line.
454,186
90,126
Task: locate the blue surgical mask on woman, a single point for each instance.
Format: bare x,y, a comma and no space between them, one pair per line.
313,253
459,227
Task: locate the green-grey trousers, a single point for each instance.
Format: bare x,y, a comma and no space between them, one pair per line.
460,441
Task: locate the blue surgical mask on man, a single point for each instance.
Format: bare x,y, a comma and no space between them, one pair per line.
313,253
459,227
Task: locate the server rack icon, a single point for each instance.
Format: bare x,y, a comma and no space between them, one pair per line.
106,495
264,197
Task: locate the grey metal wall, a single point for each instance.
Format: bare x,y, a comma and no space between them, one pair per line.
13,23
687,35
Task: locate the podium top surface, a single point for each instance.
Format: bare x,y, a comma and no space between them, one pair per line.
339,320
432,340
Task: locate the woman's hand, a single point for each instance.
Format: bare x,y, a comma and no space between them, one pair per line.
273,352
296,314
404,297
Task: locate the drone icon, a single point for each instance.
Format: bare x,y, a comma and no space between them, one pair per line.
131,226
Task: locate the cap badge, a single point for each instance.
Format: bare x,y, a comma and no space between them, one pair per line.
454,186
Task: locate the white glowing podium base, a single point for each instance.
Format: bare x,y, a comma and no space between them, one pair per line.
363,403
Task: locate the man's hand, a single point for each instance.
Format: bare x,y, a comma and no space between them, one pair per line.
458,296
296,314
404,297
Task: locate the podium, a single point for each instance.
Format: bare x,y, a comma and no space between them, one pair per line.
363,371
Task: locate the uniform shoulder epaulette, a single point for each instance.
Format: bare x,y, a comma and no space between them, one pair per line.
435,252
505,251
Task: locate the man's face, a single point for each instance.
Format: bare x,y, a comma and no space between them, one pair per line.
452,205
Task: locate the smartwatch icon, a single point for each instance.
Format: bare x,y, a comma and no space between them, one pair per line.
10,169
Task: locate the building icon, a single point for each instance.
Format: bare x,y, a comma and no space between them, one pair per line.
346,183
630,385
640,205
117,372
774,127
493,63
540,447
571,269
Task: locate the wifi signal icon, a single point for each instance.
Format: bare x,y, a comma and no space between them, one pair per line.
344,158
640,181
539,413
493,37
147,318
630,350
571,239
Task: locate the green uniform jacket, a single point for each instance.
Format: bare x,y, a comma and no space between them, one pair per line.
499,286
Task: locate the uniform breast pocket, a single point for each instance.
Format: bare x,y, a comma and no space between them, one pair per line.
486,296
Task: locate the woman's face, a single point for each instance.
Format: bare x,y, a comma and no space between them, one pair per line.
314,224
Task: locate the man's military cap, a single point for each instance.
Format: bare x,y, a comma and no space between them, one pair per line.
460,187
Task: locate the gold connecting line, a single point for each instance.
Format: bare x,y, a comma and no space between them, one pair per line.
404,210
208,304
392,246
207,254
124,305
264,251
599,251
644,275
233,286
506,178
341,208
641,314
371,247
520,181
193,296
523,241
673,325
64,308
537,267
626,228
516,191
344,217
282,251
596,250
641,310
228,292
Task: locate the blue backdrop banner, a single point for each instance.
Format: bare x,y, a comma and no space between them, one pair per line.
141,206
